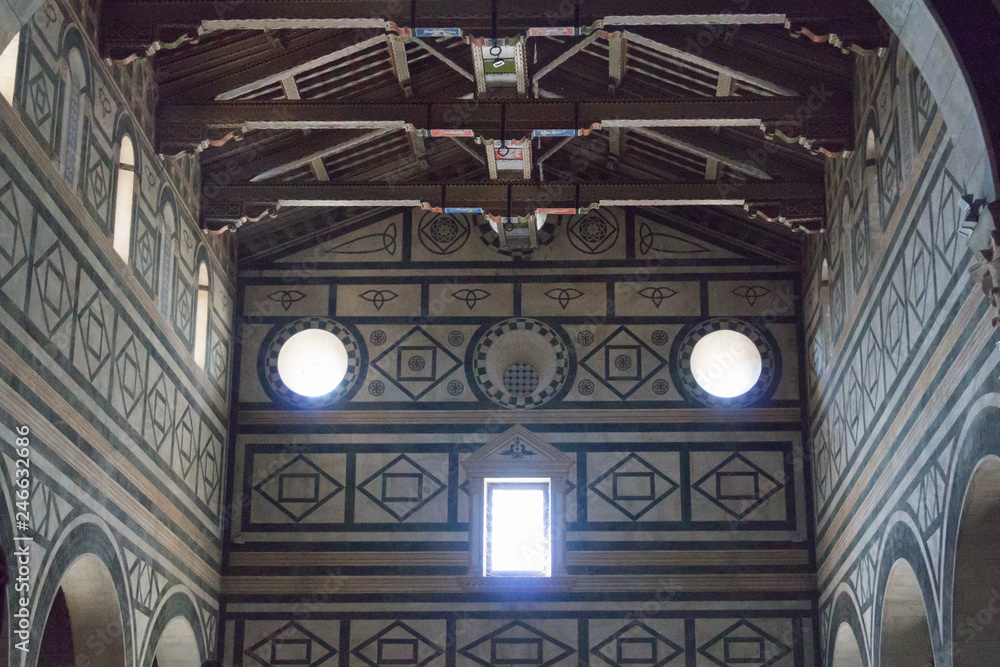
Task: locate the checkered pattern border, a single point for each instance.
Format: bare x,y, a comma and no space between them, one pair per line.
280,391
770,362
546,336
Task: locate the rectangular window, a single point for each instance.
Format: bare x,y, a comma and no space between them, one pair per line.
518,533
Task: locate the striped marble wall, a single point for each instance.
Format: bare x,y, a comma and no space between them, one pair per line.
326,565
127,433
902,363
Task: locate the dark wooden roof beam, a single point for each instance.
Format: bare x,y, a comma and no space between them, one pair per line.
227,205
131,25
182,127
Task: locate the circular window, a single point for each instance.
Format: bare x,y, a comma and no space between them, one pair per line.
312,362
726,363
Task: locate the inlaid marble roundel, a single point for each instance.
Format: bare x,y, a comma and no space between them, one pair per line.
683,349
269,362
504,354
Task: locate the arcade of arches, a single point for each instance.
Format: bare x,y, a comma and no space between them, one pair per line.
302,302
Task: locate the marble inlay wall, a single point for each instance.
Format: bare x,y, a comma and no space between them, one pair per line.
127,432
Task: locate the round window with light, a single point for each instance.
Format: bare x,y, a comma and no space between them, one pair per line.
312,362
726,362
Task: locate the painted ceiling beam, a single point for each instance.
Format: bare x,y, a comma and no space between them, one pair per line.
229,204
181,127
131,25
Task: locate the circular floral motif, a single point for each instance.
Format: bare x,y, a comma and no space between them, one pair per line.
456,338
377,338
357,359
686,383
455,387
444,234
623,362
660,338
443,230
593,233
376,388
416,364
586,387
660,387
520,342
585,338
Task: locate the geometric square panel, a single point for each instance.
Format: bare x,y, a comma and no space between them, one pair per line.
416,363
633,486
623,363
738,486
517,644
637,644
398,644
291,645
298,488
402,487
743,643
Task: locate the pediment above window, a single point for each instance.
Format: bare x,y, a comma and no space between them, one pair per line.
517,452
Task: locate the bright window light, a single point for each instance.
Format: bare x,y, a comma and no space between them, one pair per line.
312,362
8,69
726,363
517,533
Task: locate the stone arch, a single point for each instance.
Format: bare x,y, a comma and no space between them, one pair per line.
918,25
846,650
175,637
86,555
978,453
904,599
845,621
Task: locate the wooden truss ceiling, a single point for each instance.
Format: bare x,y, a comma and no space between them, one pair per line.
301,107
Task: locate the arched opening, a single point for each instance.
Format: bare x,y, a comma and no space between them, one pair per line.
871,179
73,112
178,646
169,231
201,316
825,322
846,652
124,198
8,69
906,636
84,624
976,598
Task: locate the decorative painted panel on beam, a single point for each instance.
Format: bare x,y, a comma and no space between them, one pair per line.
687,531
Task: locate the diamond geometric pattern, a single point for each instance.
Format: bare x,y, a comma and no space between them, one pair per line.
146,582
416,363
738,486
637,644
398,644
517,644
634,486
48,510
402,487
73,305
744,643
298,488
291,644
623,362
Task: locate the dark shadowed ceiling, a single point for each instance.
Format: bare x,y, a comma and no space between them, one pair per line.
307,114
